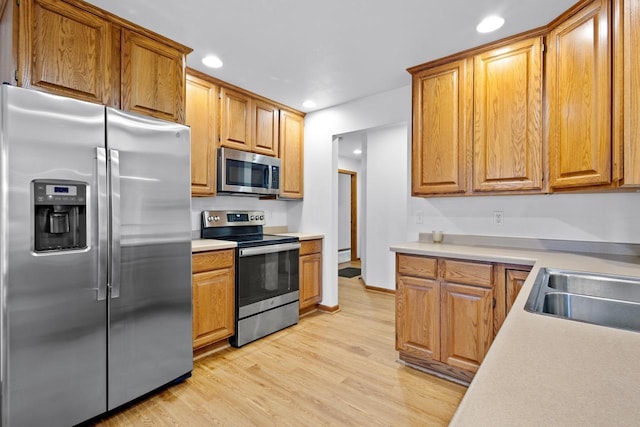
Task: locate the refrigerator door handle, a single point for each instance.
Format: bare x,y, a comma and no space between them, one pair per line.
114,156
102,244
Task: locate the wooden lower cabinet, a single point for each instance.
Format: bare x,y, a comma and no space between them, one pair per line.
514,280
418,333
467,325
310,274
447,311
213,290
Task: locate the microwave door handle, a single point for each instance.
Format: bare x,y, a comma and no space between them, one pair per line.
115,223
102,218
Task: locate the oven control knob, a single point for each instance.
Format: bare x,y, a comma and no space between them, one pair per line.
209,218
252,218
261,216
216,218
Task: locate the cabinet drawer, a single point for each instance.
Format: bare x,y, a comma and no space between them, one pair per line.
417,266
310,246
470,273
212,260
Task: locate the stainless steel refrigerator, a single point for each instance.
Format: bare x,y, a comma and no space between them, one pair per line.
95,257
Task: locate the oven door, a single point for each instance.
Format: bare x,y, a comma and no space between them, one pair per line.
267,276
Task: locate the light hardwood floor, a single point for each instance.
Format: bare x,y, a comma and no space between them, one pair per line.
329,369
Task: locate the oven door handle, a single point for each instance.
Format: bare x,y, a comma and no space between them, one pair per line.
269,249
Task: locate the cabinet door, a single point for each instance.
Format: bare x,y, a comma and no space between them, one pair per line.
627,88
265,128
514,281
310,280
213,306
418,317
202,115
235,120
153,77
579,94
507,153
65,50
467,325
291,155
441,126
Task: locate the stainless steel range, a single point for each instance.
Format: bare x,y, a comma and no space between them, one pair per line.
267,278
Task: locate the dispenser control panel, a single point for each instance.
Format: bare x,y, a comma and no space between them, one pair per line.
59,194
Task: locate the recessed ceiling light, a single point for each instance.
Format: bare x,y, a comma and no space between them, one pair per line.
308,104
212,61
357,151
489,24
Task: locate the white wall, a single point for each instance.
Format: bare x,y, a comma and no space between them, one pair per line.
386,203
609,217
319,211
275,210
598,217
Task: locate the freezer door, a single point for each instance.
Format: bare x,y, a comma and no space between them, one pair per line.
53,322
150,304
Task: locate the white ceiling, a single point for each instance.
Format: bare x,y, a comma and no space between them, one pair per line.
331,51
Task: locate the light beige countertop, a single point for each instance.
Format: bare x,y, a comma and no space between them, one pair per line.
201,245
303,236
546,371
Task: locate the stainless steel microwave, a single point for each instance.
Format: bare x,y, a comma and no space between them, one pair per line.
240,172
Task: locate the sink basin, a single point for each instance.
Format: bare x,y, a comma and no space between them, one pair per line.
612,301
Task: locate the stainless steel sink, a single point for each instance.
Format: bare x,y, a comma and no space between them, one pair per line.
612,301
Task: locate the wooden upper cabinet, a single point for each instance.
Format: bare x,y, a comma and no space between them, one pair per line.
77,50
291,155
65,50
441,126
153,77
507,153
265,128
627,87
579,96
202,116
235,120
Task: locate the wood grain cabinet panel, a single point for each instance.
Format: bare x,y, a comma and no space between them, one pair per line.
579,96
213,293
65,50
310,271
418,317
417,266
514,281
627,87
153,77
265,128
235,120
291,155
471,273
467,325
202,116
507,153
441,126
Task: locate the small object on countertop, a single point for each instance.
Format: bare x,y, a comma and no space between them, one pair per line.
437,236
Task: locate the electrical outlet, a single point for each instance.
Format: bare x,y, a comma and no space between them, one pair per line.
419,217
498,218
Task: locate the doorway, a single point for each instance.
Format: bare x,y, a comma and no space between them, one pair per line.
348,215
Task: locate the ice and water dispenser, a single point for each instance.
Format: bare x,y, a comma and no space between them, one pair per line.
60,210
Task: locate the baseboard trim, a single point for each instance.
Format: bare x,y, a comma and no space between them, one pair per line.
210,349
377,289
329,309
308,310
